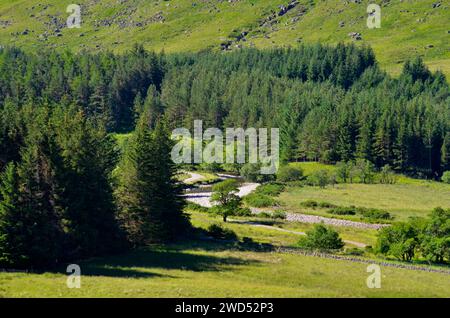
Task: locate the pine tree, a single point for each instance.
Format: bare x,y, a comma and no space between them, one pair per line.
12,235
152,105
39,205
445,153
89,159
149,201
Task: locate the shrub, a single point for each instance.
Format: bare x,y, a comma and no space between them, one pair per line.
289,173
259,200
279,215
310,204
341,210
446,177
266,215
387,175
326,205
218,232
321,237
274,215
270,189
370,213
252,172
319,178
243,212
365,170
196,207
343,170
374,214
354,251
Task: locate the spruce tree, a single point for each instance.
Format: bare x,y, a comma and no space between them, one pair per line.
39,204
12,234
89,158
149,201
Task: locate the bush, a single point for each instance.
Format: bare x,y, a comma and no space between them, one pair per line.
259,200
374,214
270,189
309,204
387,175
370,213
354,251
274,215
289,173
196,207
218,232
322,237
446,177
365,170
279,215
252,172
341,210
319,178
243,212
326,205
265,215
343,170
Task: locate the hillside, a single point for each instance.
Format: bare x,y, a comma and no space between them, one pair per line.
408,27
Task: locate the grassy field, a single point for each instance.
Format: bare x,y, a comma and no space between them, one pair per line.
401,200
408,197
276,237
408,28
211,269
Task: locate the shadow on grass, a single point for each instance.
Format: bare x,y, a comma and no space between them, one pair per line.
139,263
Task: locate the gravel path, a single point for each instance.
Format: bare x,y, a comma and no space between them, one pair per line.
194,177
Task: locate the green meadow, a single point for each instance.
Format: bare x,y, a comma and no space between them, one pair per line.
406,198
214,269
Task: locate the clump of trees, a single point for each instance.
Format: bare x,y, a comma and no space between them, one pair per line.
321,237
57,189
427,238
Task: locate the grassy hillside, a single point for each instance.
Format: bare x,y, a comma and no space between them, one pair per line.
408,27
